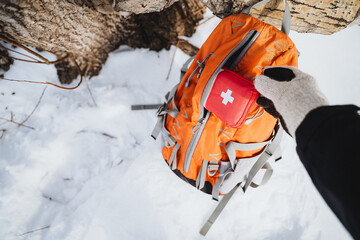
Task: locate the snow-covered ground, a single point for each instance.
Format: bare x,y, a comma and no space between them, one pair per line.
94,173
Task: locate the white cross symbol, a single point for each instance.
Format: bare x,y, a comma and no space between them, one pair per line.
227,97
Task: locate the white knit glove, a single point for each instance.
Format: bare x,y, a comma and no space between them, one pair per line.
292,92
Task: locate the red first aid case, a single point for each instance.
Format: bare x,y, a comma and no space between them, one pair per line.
231,98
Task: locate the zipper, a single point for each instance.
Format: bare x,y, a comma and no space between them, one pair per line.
204,115
197,131
245,44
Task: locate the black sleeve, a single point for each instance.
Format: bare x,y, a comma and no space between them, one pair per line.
328,144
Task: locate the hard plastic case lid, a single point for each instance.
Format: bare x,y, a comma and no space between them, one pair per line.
231,97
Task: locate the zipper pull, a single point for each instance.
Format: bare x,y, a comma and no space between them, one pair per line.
198,125
201,66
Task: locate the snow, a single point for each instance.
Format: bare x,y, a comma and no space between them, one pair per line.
88,172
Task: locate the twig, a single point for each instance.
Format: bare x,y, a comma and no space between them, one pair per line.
12,50
12,121
35,230
172,62
44,61
176,47
35,61
37,105
2,133
206,20
108,135
50,83
36,82
187,47
25,48
181,32
95,132
47,197
86,80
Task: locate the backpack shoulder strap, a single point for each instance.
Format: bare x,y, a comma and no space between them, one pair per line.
271,150
164,110
286,22
185,67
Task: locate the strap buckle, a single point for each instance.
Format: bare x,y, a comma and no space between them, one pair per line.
268,152
212,168
161,109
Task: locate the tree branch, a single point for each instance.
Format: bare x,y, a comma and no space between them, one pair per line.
37,105
35,230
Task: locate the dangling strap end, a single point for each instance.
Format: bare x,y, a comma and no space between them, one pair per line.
206,228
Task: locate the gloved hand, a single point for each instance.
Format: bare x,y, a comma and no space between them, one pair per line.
288,94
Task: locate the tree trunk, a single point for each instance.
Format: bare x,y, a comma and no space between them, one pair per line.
307,16
90,29
4,61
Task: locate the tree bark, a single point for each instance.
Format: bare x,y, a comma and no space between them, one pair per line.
4,61
91,29
307,16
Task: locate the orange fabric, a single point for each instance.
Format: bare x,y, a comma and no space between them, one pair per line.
271,48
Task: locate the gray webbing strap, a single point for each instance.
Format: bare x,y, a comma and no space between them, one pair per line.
158,126
199,67
206,227
170,140
215,191
216,188
191,76
212,168
185,67
231,147
200,180
267,153
163,110
172,92
169,97
266,177
247,9
207,167
145,106
173,157
286,22
255,169
224,201
273,146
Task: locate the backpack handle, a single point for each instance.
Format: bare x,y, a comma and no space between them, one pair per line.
286,22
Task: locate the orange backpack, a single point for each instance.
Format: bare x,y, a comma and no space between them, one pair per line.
198,146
